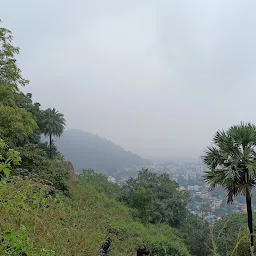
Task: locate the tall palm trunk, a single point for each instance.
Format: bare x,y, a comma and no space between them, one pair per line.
249,216
50,153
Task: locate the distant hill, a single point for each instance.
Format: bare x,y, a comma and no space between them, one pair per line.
86,150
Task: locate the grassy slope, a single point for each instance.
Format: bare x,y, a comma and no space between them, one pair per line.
77,226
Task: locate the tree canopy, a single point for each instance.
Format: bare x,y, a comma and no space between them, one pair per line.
52,123
156,197
10,74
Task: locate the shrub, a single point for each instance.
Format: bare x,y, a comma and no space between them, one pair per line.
51,171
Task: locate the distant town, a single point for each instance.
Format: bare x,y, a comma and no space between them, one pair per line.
209,204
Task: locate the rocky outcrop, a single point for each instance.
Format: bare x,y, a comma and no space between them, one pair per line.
71,172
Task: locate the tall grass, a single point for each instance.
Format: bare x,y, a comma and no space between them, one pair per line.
78,225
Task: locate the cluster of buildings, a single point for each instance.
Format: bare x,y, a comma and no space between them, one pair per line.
209,204
212,205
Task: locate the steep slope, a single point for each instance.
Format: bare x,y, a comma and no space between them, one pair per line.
86,150
40,224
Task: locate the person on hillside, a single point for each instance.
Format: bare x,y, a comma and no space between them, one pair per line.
105,248
142,251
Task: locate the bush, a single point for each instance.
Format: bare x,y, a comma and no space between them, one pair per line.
36,162
17,243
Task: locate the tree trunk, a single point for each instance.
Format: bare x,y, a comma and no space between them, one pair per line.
50,146
249,215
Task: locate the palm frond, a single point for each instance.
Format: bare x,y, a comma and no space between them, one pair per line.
219,137
214,178
244,134
232,160
251,167
212,157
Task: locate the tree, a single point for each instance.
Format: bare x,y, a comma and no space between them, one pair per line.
196,234
52,124
165,205
232,165
10,74
142,200
6,95
15,124
36,165
25,101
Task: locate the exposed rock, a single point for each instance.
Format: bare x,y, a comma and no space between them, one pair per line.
71,172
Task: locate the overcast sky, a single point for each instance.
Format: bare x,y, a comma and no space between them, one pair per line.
157,77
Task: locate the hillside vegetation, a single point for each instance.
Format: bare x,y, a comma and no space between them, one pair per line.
78,225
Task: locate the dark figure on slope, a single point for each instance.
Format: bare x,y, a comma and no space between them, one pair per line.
105,248
142,251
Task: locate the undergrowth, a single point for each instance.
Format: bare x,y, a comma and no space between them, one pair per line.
35,222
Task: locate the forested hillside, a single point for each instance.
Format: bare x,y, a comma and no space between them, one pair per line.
87,150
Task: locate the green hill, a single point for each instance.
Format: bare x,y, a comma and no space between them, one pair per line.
87,150
58,225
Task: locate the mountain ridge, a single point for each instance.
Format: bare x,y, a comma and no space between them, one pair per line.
88,150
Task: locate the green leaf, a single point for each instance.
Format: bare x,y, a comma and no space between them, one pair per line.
7,172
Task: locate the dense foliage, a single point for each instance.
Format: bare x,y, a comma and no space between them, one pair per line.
196,235
78,225
156,198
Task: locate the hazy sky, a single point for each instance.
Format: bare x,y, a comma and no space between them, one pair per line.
157,77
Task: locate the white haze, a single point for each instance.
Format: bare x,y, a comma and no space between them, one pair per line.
157,77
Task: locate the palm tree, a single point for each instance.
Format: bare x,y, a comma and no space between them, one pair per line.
52,124
232,164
